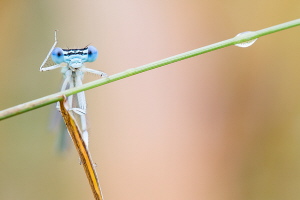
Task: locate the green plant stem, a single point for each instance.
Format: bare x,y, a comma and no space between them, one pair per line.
10,112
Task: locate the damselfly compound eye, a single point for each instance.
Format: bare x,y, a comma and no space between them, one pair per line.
57,55
92,54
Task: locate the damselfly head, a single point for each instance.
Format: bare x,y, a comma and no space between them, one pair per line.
74,57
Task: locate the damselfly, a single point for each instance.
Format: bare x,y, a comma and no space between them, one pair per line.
73,72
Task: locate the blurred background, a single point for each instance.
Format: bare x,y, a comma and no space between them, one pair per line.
223,125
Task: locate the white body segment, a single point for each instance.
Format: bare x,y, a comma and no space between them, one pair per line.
73,74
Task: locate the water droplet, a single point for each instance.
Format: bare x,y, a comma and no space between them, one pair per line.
247,43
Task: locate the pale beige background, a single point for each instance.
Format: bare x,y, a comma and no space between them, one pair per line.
221,126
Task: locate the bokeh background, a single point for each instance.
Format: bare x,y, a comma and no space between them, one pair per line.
223,125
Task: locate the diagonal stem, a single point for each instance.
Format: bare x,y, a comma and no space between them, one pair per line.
25,107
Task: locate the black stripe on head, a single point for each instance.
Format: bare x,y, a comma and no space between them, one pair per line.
70,52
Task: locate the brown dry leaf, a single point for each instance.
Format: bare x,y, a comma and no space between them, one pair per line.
83,152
